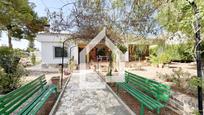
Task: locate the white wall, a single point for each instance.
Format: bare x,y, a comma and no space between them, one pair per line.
74,52
47,53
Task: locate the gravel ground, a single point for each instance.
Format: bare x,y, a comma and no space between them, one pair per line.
37,70
151,71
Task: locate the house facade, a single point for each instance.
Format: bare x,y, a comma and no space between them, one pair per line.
51,49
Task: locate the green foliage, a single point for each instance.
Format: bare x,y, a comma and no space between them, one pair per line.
178,15
9,59
138,51
123,48
19,20
101,52
118,3
193,83
196,81
155,49
181,52
33,59
2,75
154,59
196,112
165,54
11,81
162,58
11,70
158,55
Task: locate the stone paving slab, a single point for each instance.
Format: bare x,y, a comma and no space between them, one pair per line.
96,99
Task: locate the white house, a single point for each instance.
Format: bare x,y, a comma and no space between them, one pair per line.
51,49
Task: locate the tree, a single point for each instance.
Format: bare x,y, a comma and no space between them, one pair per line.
33,27
120,17
180,16
19,20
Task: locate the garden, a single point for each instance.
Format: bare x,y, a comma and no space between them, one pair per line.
162,42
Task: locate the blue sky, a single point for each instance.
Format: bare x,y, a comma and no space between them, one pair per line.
41,6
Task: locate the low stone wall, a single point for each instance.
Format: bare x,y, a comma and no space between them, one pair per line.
183,103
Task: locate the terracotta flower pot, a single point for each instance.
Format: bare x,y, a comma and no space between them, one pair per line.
55,80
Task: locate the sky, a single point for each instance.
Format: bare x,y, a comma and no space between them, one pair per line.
41,6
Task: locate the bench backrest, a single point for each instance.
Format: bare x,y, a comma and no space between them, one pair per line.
150,87
11,101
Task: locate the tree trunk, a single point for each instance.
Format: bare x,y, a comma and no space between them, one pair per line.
31,44
9,40
198,54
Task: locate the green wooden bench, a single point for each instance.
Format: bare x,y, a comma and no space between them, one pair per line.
149,93
28,99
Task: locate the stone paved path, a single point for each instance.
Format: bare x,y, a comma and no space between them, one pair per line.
90,96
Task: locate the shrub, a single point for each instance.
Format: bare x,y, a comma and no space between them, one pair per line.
33,59
159,56
154,59
11,81
11,69
179,52
162,58
183,81
194,82
179,77
123,48
185,52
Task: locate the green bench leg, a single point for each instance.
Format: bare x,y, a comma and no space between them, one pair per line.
158,111
141,109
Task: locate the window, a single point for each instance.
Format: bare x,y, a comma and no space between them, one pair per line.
58,52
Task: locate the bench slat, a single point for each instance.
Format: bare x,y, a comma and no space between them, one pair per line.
149,93
37,89
43,99
141,84
158,90
11,108
32,104
151,81
22,87
19,95
141,97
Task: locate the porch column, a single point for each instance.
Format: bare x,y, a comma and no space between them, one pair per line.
76,54
127,53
